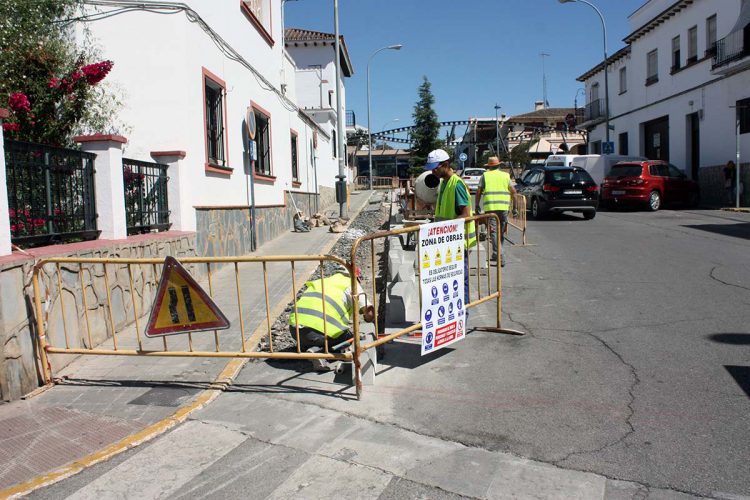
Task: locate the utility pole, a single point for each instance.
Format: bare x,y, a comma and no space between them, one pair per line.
497,130
340,137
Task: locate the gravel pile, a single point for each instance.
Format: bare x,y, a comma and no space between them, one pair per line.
372,218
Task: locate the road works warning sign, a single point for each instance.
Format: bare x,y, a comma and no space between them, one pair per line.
441,250
181,305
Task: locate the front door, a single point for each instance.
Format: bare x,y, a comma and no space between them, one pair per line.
694,145
656,135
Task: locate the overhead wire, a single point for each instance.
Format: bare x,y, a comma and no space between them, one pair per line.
166,8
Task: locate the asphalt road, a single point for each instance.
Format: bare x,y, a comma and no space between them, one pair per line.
636,364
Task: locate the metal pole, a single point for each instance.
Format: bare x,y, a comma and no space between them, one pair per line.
497,131
340,137
737,169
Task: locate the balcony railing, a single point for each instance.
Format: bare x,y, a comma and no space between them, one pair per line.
50,194
351,119
594,110
730,49
146,203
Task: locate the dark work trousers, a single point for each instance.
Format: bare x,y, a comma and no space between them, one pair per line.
503,214
309,337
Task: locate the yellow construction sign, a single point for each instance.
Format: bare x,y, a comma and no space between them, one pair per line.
426,261
459,254
438,262
448,257
181,305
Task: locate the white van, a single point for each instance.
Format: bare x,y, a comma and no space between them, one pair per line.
598,166
559,160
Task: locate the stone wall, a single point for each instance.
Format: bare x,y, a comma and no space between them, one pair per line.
227,231
712,185
19,373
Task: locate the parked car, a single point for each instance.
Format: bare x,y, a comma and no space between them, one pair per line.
650,183
598,166
559,160
471,177
559,189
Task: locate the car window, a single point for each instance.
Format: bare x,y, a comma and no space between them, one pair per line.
674,171
659,170
555,164
473,172
536,177
626,170
577,175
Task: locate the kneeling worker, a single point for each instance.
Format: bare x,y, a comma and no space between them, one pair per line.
339,303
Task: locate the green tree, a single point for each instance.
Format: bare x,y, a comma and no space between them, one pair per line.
50,85
426,131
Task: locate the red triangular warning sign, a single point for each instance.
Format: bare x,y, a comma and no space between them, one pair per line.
181,305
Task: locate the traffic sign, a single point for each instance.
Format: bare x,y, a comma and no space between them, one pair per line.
181,305
608,148
462,157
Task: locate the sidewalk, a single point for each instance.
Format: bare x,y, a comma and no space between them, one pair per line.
105,399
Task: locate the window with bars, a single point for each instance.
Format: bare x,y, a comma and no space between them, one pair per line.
675,54
652,67
214,93
711,35
692,54
295,161
263,139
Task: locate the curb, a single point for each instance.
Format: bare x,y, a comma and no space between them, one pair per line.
219,385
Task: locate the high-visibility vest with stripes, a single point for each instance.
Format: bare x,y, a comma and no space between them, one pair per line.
496,191
446,207
310,306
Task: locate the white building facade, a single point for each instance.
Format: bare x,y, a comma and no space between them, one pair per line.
190,81
675,87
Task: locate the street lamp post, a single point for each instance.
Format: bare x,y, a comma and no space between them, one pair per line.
606,76
369,129
497,131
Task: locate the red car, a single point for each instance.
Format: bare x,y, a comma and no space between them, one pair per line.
650,183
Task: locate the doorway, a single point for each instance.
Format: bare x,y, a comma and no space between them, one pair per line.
656,139
693,144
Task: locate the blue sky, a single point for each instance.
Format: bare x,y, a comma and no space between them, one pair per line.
475,52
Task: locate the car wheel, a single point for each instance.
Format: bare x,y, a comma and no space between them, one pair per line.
589,214
654,201
536,210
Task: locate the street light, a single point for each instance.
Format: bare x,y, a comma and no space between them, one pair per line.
606,77
497,131
369,130
575,99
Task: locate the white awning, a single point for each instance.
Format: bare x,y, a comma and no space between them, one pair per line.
744,18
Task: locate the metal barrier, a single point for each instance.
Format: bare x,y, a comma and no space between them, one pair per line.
517,216
362,182
483,295
87,288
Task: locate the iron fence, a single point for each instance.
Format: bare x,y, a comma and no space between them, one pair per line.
146,203
594,110
51,195
731,48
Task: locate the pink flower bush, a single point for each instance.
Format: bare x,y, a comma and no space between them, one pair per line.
18,101
11,127
96,72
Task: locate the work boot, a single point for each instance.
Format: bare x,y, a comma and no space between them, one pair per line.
493,258
502,261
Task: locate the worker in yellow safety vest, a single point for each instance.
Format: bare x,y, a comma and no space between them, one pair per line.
498,193
316,321
453,203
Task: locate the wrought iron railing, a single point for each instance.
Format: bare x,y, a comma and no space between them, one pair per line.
594,110
146,203
729,49
50,194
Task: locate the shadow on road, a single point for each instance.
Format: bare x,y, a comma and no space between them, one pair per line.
741,230
731,338
741,375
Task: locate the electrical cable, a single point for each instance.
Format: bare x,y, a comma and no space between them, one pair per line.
168,8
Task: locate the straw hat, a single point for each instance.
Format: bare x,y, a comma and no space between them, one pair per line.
492,161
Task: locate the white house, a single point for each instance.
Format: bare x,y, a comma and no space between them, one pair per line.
190,79
675,87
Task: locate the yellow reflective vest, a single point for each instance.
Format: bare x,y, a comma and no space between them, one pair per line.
446,207
335,321
496,191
